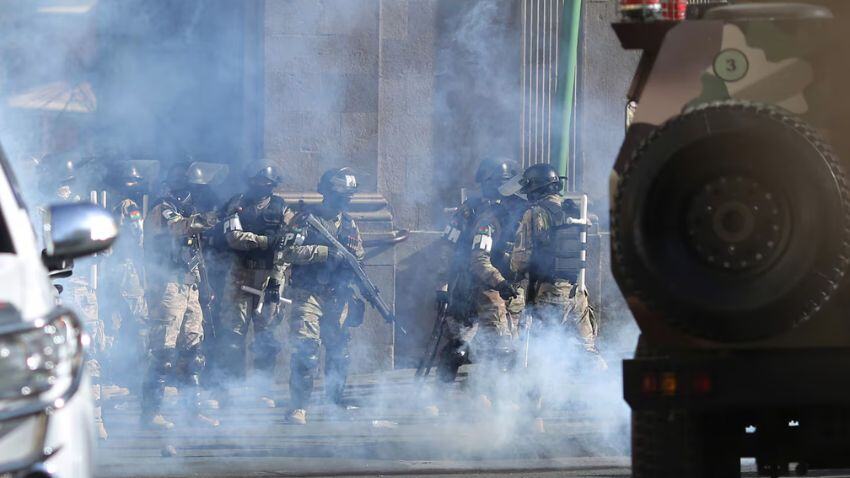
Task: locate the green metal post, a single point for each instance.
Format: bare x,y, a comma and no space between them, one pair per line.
570,28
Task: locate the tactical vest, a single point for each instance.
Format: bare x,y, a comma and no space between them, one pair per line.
267,222
461,231
168,252
560,253
320,274
509,214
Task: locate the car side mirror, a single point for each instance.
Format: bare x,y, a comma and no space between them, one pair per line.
57,267
76,230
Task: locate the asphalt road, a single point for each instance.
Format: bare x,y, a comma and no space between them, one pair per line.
393,432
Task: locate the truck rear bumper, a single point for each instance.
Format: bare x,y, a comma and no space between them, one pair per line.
739,380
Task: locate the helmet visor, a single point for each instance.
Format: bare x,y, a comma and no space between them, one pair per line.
203,173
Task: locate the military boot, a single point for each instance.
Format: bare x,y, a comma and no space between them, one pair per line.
297,416
151,417
156,422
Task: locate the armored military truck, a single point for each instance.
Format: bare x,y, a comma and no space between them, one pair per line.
730,232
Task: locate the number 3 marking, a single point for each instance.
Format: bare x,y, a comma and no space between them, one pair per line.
731,65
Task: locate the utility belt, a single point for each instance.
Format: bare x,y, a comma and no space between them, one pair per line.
571,276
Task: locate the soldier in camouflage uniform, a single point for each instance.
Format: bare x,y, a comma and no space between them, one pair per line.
496,290
176,318
254,221
324,307
58,180
123,275
548,249
471,305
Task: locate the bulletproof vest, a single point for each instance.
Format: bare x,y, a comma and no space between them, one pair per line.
560,253
265,221
509,214
164,248
463,225
307,275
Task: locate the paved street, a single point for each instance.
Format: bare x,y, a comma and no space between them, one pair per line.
393,432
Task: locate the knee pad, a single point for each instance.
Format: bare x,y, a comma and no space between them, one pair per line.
197,361
165,361
456,352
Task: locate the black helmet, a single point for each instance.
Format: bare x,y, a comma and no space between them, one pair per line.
125,176
338,182
264,172
541,179
500,169
58,168
56,171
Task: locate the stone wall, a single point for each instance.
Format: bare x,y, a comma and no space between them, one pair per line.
404,91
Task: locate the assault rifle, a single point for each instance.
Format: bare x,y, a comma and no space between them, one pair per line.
205,289
367,288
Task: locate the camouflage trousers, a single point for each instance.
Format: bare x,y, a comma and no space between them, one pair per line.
176,319
238,314
85,302
316,320
560,345
123,304
487,337
560,307
174,339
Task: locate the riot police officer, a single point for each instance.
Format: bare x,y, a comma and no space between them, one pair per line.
495,289
469,297
253,221
548,250
324,306
122,290
176,319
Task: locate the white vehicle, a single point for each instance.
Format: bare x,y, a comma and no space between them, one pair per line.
46,410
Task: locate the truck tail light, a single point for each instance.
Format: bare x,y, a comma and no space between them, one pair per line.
649,384
669,384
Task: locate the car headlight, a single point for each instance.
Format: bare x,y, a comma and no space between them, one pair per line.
40,361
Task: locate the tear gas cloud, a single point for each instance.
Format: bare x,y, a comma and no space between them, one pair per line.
166,80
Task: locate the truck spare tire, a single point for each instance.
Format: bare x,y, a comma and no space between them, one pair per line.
732,222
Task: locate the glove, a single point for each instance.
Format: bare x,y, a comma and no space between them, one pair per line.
272,292
507,291
441,300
